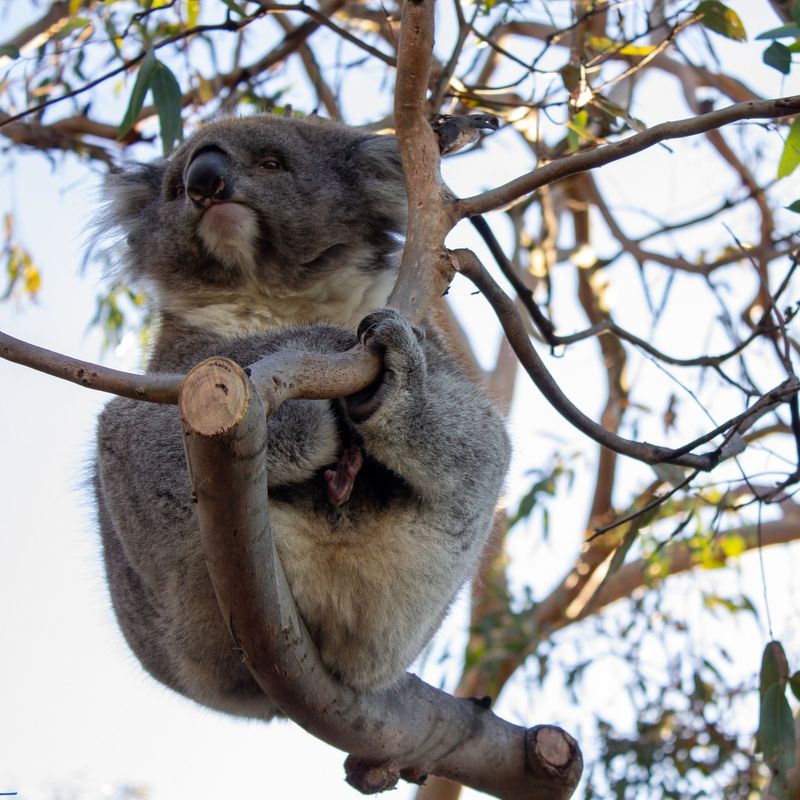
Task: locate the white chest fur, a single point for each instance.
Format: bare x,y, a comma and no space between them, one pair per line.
343,297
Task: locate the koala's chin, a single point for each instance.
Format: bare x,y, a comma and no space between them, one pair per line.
230,232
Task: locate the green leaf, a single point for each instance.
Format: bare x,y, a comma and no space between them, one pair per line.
784,32
577,130
719,18
794,207
618,558
168,99
794,684
10,50
74,24
776,730
795,12
790,157
235,7
774,668
779,57
140,87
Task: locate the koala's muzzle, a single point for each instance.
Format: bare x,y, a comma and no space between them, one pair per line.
208,178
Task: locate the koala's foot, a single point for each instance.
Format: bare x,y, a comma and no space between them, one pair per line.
342,478
388,332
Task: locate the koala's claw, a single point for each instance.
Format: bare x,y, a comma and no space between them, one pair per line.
387,331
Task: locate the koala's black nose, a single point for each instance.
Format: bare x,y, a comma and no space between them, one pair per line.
208,177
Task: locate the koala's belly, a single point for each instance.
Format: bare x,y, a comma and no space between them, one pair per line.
362,591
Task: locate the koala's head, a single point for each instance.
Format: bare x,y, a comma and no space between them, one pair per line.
267,220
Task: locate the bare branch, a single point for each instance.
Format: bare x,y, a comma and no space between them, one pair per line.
606,154
425,270
153,388
508,315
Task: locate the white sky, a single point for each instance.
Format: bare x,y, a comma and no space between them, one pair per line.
76,710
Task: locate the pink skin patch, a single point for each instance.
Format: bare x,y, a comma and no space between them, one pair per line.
342,478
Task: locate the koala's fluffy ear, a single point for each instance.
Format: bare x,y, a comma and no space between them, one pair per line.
130,190
383,185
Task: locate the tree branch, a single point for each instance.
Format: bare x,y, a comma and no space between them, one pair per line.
606,154
468,265
409,729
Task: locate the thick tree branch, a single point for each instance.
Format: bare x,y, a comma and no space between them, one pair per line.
425,270
408,730
606,154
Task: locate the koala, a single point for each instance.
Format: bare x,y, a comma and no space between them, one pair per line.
261,234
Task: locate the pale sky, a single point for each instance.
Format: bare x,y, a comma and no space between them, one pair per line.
77,713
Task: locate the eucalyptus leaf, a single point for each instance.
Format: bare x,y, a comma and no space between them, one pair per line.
784,32
794,684
790,157
168,101
9,50
140,87
779,57
776,730
719,18
774,668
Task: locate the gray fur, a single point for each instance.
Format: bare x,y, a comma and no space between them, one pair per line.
372,577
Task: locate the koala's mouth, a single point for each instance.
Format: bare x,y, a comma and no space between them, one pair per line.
230,231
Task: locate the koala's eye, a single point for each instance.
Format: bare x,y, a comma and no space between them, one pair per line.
270,164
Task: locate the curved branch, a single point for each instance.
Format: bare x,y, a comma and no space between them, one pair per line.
508,315
606,154
407,730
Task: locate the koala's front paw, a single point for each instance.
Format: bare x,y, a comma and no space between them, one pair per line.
389,333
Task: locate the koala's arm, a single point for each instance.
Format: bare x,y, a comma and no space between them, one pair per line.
302,438
428,423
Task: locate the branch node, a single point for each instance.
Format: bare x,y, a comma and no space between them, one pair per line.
370,777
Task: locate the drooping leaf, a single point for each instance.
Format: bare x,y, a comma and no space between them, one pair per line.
235,7
618,558
790,157
794,684
776,730
192,12
774,668
140,87
719,18
670,473
167,98
778,57
783,32
74,24
603,43
577,131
